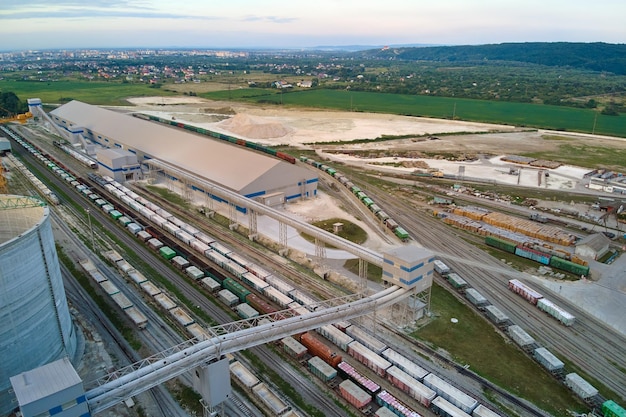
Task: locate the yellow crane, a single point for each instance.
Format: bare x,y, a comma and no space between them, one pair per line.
15,117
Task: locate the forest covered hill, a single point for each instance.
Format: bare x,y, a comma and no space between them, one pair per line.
603,57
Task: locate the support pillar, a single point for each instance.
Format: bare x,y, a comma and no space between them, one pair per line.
232,216
363,275
252,224
282,239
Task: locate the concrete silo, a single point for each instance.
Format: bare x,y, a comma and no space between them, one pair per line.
35,323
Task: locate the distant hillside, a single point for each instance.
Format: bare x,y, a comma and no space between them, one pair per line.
591,56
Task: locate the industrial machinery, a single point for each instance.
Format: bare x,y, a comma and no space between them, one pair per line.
15,117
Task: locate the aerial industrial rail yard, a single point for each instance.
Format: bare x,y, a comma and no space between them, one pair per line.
213,265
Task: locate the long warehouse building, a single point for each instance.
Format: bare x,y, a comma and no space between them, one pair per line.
248,173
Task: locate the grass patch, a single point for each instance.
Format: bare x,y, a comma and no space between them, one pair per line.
102,303
92,92
584,155
500,112
349,230
374,272
170,196
287,389
492,356
188,399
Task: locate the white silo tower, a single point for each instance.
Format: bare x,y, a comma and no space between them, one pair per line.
35,323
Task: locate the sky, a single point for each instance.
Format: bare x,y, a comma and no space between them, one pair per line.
229,24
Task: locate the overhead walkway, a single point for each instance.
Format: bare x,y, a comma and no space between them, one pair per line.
232,197
160,368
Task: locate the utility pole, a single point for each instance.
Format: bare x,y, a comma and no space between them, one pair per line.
93,241
595,119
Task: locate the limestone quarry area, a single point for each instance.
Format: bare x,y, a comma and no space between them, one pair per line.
251,127
448,147
289,126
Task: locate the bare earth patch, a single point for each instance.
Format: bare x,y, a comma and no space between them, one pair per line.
482,144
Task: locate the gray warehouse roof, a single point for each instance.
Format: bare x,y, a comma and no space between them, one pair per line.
41,382
232,166
596,242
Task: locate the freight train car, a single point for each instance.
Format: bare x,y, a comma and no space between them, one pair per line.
611,409
446,409
502,244
369,358
450,393
336,336
347,371
532,254
441,268
366,339
565,265
317,348
581,388
529,294
385,399
482,411
222,136
321,369
407,365
555,311
411,386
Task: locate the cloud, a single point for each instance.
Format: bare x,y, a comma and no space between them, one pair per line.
271,19
90,13
22,4
63,9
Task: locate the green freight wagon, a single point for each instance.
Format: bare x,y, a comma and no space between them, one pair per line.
355,189
233,286
368,201
360,195
569,266
167,252
611,409
124,220
115,214
401,233
456,281
500,244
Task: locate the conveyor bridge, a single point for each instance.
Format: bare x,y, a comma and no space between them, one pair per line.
157,369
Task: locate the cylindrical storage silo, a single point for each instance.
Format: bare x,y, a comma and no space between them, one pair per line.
35,322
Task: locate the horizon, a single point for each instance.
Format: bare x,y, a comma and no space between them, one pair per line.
279,24
319,48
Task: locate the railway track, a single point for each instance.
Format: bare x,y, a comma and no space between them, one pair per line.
590,344
289,272
162,400
199,297
282,267
161,397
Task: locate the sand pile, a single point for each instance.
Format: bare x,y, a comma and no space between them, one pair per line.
249,127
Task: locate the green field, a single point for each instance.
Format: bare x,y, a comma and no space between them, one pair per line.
113,93
473,341
518,114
